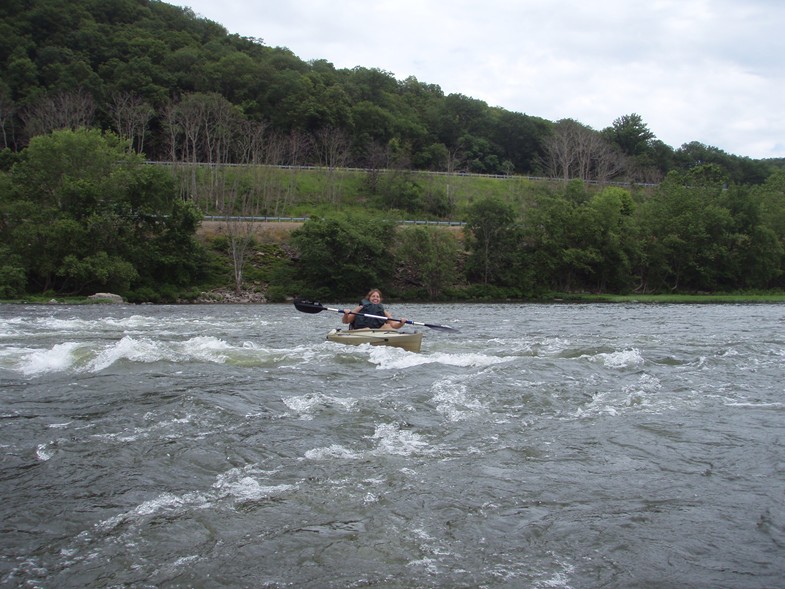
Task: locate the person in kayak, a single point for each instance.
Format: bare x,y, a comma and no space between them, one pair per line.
371,305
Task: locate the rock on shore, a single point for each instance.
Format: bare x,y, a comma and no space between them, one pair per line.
230,296
107,297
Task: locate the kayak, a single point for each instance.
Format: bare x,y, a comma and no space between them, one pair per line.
410,342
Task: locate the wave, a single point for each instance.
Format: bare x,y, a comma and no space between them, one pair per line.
309,404
15,327
238,485
453,399
387,358
621,359
94,356
389,439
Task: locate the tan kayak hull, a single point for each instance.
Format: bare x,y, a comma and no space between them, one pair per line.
411,342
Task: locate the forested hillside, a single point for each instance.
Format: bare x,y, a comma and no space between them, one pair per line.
185,88
91,90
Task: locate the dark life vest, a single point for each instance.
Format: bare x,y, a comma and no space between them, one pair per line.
361,321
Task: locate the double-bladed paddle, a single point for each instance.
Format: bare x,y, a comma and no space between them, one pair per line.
316,307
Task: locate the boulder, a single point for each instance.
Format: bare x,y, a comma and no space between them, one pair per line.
106,297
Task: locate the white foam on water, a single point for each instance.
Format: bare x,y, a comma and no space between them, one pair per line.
389,358
391,439
554,346
97,356
10,357
242,484
622,359
453,400
309,404
166,503
429,564
140,433
44,452
128,348
331,452
185,561
12,327
547,346
645,395
558,579
60,425
239,484
58,358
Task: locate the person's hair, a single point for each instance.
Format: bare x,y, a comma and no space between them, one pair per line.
373,290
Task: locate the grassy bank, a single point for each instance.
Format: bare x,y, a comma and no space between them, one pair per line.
675,298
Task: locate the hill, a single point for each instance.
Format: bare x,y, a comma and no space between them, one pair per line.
182,88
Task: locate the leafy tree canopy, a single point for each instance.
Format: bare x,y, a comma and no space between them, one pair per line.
64,63
80,214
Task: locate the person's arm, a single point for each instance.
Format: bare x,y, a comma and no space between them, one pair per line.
348,314
390,321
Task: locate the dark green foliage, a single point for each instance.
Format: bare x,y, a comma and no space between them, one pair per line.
66,63
161,53
429,258
80,214
493,239
345,255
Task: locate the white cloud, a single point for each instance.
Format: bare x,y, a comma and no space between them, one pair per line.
698,70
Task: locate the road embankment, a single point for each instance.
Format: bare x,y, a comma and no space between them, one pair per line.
274,231
267,231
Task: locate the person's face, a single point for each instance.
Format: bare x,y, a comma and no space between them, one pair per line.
375,298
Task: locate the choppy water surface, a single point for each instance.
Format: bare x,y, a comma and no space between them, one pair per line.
541,446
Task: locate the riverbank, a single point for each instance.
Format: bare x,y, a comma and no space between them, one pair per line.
678,298
229,297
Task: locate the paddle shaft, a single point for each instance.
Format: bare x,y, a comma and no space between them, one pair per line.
373,316
312,307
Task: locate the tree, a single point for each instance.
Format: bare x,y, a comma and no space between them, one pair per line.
332,147
630,134
575,151
562,248
61,110
343,255
131,116
616,238
686,233
491,236
81,213
429,258
7,112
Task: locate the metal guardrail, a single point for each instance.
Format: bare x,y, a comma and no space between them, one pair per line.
265,219
256,219
385,171
447,223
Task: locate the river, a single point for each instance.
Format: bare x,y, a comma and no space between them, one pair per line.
566,445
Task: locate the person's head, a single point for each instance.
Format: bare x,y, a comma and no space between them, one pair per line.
374,295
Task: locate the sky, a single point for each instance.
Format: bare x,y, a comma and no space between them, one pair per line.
711,71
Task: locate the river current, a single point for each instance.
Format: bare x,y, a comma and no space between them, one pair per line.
568,446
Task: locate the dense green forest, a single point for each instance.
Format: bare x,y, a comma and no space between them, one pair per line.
91,90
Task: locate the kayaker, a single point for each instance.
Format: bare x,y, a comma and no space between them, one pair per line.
371,305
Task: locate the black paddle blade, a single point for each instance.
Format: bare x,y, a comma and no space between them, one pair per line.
308,306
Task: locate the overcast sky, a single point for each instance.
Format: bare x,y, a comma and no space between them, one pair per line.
711,71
